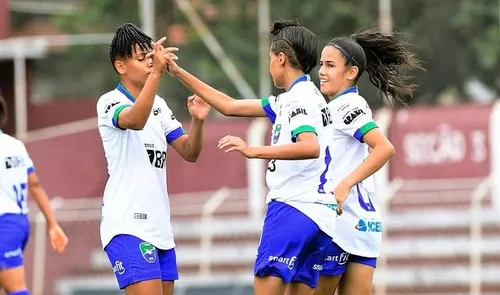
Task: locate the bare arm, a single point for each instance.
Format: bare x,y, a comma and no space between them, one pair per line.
381,151
306,147
36,190
189,145
223,103
136,116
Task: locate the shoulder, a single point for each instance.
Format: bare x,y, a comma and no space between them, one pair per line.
348,102
161,102
109,100
12,143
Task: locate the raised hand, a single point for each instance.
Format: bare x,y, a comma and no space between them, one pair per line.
160,54
235,144
197,107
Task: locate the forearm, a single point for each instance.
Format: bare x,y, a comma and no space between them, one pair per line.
294,151
194,141
43,203
218,100
141,109
376,159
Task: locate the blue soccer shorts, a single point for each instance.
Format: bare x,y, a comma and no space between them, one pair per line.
292,247
134,260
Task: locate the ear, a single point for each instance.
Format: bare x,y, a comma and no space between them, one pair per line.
352,73
120,67
281,59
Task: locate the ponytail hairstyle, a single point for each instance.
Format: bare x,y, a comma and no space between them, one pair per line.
299,44
382,57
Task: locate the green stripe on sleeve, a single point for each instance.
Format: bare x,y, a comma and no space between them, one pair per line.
367,127
117,112
302,129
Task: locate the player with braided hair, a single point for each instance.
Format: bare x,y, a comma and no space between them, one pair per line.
136,126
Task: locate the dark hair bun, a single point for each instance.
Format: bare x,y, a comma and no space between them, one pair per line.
280,25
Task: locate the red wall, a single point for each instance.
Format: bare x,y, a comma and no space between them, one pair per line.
74,166
4,19
441,142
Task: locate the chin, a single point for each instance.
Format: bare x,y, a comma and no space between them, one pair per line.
324,89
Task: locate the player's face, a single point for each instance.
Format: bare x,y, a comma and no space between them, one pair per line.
334,75
138,67
276,68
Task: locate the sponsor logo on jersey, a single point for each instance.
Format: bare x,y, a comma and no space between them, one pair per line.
118,267
289,262
13,162
143,216
296,112
110,105
148,252
156,111
370,226
352,115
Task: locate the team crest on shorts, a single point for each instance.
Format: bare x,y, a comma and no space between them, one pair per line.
148,252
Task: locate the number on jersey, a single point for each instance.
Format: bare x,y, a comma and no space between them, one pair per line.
20,193
326,116
157,158
272,165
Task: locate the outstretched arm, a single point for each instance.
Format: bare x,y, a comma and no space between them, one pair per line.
223,103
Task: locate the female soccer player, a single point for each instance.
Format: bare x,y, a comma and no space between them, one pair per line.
300,215
352,258
136,127
17,176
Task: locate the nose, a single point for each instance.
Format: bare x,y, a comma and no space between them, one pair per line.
321,71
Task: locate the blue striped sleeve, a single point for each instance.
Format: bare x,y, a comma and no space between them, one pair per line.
31,170
360,132
268,109
175,134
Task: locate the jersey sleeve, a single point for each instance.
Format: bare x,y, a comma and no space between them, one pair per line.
269,106
356,118
28,163
172,128
300,118
108,110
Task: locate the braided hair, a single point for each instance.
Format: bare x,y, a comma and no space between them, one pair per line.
126,38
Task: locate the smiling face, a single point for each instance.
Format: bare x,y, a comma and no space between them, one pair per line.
334,75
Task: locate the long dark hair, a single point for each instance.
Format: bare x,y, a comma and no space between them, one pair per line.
383,57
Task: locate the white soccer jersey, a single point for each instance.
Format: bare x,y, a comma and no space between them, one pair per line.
301,183
359,228
135,200
15,168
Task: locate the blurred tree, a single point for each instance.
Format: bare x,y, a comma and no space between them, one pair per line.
456,39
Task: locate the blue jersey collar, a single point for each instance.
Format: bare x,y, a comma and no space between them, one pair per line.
302,78
125,92
352,89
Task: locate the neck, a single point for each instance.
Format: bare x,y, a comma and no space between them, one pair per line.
291,77
132,88
341,92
